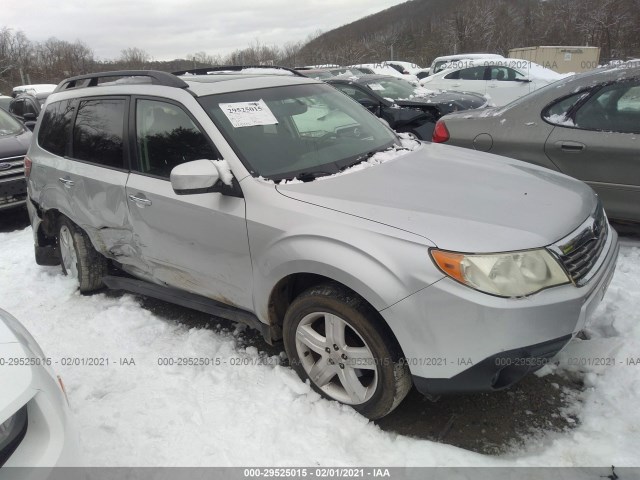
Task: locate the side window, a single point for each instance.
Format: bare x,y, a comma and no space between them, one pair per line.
557,113
17,108
453,75
614,108
97,134
503,74
29,107
473,73
55,127
167,137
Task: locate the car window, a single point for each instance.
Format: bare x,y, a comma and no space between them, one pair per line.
17,108
351,91
29,107
166,137
558,112
504,74
9,125
55,127
98,131
473,73
614,108
630,101
393,88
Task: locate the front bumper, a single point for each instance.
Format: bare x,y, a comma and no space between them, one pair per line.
458,340
13,192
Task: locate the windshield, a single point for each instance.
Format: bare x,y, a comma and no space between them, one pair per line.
9,125
393,88
303,129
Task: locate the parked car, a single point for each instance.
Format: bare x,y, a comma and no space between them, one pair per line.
33,89
324,73
503,82
14,143
404,107
26,107
586,126
35,425
384,69
4,102
230,194
405,68
460,60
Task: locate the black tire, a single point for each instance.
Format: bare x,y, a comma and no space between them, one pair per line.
393,376
90,265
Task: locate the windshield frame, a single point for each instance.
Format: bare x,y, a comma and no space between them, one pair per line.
207,101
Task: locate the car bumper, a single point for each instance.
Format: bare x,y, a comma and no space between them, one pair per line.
50,439
458,340
13,192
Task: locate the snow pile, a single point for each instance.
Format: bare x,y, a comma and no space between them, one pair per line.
244,408
379,158
224,170
558,119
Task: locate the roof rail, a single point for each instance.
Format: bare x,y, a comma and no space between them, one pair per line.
233,68
91,80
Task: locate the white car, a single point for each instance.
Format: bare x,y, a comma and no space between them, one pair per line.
384,69
439,63
33,89
35,426
502,81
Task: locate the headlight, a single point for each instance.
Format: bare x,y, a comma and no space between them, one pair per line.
513,274
11,433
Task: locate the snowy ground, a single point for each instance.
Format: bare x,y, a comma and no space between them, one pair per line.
259,413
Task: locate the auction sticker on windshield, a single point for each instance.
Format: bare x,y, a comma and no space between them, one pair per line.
248,114
376,86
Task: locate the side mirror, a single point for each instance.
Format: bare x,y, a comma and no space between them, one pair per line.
29,116
198,176
523,80
30,124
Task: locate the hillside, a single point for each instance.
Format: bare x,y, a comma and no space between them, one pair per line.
420,30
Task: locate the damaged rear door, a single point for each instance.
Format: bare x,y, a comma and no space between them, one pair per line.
95,175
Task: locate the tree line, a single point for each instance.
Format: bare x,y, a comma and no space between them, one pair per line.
415,31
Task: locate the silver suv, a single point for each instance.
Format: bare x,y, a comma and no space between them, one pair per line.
380,261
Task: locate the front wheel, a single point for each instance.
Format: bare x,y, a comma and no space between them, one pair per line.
337,341
78,257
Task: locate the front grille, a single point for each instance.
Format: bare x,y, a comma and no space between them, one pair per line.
11,167
580,252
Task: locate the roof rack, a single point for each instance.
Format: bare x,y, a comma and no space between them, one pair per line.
233,68
91,80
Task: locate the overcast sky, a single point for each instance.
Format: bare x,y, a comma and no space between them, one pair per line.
169,29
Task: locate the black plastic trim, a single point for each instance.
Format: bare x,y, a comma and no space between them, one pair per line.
494,373
189,300
234,68
157,77
13,445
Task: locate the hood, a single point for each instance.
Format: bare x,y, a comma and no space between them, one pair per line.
459,199
14,145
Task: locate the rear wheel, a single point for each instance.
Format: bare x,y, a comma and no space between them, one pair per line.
78,257
337,341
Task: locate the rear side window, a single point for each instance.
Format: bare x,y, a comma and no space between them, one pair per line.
167,137
55,127
17,108
98,132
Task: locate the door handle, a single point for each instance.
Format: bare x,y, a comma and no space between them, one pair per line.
67,182
139,201
573,147
492,85
455,85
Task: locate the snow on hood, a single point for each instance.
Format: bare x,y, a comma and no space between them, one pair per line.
459,199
